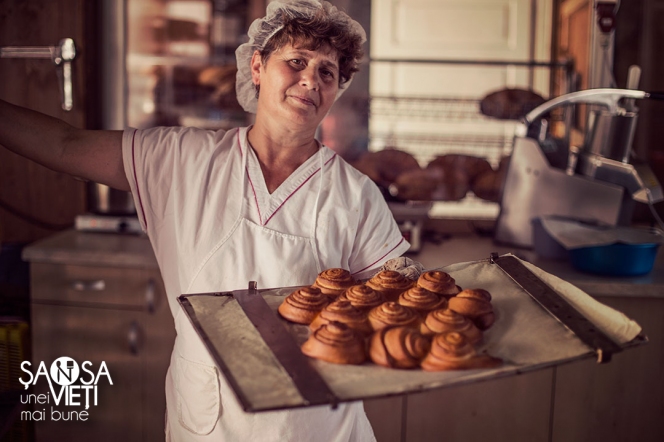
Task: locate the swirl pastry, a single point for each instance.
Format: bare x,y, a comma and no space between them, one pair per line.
303,305
421,300
337,343
393,314
452,351
390,283
334,281
342,310
398,347
363,297
438,282
446,320
476,305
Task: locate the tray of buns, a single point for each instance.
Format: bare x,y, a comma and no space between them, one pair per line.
341,340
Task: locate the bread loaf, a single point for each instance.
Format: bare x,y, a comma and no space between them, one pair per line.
471,166
384,166
419,185
489,184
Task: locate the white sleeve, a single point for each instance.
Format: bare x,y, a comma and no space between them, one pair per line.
378,237
158,160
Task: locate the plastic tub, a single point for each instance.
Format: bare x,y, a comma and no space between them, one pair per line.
615,259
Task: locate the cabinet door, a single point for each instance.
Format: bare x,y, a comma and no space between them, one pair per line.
619,401
574,39
51,197
510,409
95,335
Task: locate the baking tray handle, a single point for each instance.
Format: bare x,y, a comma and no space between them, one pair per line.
558,307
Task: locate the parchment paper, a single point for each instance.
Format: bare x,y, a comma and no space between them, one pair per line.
524,335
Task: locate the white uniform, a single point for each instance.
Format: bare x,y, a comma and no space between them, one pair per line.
201,197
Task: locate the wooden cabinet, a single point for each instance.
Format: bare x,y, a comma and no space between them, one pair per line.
111,314
639,37
37,201
619,401
509,409
577,402
572,41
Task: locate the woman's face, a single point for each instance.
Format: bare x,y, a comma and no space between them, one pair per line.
297,84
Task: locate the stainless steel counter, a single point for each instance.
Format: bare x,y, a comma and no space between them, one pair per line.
85,248
468,247
100,297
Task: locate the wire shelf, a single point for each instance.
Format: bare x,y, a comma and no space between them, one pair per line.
449,109
431,126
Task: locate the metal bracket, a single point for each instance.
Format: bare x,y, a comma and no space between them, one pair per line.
558,307
61,55
309,383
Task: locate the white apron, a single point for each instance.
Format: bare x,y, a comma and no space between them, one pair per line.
200,404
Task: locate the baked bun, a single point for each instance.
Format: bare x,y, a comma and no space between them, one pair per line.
476,305
446,320
343,311
303,305
337,343
421,300
363,297
390,283
390,314
398,347
452,351
438,282
334,281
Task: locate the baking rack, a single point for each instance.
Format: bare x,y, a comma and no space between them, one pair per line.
428,126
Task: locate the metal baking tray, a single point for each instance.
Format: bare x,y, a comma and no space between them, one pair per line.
258,351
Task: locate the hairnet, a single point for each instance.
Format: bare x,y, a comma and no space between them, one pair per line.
262,29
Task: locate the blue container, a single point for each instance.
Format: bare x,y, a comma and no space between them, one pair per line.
615,259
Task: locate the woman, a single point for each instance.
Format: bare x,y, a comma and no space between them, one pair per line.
265,203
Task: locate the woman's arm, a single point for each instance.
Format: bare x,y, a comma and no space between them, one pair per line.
95,155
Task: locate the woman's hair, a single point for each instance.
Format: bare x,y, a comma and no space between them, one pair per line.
317,31
305,24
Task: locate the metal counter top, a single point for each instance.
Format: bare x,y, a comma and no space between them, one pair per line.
122,250
98,249
470,247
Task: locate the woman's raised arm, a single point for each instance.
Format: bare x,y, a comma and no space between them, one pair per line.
94,155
